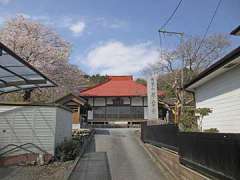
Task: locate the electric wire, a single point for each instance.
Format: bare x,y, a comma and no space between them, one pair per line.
208,27
171,16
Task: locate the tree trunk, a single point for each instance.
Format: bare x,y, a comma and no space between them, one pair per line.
27,95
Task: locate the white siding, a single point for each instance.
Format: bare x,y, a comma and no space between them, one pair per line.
145,112
63,126
30,124
90,115
110,100
145,101
99,102
222,95
34,124
43,126
126,100
137,101
7,108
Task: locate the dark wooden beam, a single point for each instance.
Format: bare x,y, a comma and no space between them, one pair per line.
105,108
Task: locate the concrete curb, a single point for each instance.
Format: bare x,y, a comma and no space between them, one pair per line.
180,165
68,174
165,171
163,165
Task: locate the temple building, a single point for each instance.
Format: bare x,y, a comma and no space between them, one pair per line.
119,99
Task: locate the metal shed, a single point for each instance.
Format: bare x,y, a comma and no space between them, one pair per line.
43,125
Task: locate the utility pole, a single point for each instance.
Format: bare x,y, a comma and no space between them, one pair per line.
180,34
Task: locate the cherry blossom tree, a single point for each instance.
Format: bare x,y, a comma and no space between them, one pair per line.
191,57
45,50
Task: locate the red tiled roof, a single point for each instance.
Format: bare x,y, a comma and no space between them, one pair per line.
117,86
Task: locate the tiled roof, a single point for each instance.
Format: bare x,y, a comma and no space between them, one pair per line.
117,86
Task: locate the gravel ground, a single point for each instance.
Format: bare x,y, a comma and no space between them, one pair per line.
53,171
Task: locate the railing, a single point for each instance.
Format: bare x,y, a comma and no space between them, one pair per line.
118,112
25,147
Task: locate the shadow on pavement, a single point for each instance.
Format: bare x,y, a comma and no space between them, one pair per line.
93,165
92,146
102,132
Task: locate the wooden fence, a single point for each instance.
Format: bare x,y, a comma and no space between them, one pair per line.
214,154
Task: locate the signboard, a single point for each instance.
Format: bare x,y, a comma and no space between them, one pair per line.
152,98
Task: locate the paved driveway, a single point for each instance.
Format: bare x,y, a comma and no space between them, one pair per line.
116,154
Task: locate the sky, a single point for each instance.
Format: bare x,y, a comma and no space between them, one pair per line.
119,37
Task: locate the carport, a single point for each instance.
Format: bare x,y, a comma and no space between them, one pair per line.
25,128
17,74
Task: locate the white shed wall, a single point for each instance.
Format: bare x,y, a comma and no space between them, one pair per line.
34,124
63,126
29,124
222,95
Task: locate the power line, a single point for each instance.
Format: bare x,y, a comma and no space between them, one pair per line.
170,17
208,27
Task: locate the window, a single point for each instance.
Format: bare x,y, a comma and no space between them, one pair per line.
118,101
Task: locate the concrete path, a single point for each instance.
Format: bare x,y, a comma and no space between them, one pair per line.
116,154
92,166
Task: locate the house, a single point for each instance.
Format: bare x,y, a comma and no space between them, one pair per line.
74,103
218,88
120,99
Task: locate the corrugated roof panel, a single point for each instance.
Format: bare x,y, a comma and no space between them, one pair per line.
17,74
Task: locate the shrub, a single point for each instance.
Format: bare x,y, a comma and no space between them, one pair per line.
190,117
211,130
188,120
68,150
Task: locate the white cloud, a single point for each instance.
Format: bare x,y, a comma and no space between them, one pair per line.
72,24
117,58
78,27
118,24
5,1
111,23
